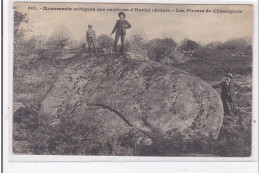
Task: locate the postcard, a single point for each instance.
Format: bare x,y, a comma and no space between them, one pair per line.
139,80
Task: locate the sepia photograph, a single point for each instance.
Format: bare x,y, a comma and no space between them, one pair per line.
107,79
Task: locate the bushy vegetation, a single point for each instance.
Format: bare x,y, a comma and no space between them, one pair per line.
105,42
136,46
189,45
60,38
235,45
38,135
159,49
213,64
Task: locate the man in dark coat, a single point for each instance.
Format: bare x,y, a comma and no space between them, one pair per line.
227,94
120,29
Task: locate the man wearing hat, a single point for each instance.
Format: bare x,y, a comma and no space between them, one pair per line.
227,94
90,38
120,29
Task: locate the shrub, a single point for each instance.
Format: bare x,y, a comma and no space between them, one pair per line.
189,45
27,117
213,45
35,42
61,38
105,42
237,46
136,46
161,49
205,52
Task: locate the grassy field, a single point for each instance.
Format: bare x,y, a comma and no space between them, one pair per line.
34,78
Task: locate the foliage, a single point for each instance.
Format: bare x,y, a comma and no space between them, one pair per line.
27,117
189,45
213,45
52,136
34,43
160,49
235,45
214,67
20,28
105,42
19,19
136,46
61,38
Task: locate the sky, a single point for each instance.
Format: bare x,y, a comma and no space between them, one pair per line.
201,27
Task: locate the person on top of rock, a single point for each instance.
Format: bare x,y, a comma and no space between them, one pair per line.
120,28
227,94
90,38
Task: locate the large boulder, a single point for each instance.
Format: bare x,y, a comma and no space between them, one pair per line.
143,101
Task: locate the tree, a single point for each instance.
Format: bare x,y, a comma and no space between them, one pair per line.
20,28
19,19
60,38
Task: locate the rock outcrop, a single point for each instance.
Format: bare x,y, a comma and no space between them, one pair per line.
119,97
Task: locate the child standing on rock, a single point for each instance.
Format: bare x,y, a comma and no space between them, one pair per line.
90,38
120,28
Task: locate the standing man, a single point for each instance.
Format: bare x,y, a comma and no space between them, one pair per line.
227,94
120,28
90,38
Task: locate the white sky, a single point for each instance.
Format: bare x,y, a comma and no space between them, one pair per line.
201,27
